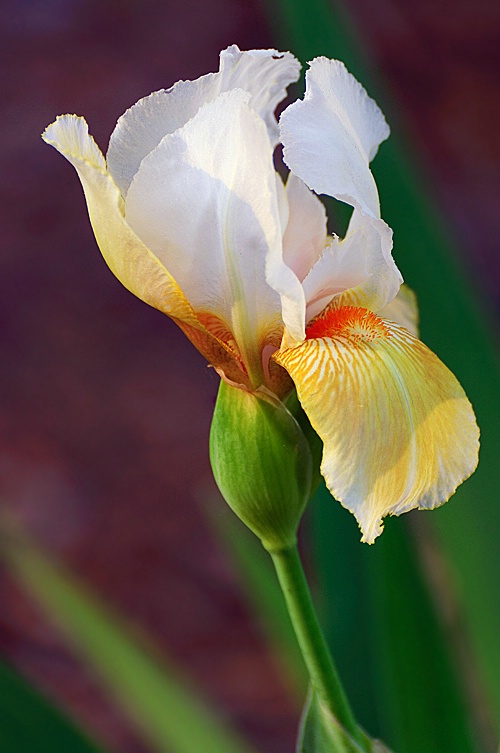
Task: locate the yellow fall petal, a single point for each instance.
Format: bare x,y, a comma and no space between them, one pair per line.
125,254
130,260
398,430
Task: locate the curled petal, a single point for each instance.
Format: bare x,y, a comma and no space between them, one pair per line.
329,139
130,260
331,136
398,430
264,74
358,270
125,254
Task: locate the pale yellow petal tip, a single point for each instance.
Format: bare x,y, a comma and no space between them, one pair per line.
371,526
69,134
371,533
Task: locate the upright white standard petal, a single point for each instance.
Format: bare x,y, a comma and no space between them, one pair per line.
264,74
331,136
204,201
329,139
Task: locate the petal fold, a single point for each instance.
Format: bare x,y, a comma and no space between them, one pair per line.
264,74
304,238
205,202
398,430
305,235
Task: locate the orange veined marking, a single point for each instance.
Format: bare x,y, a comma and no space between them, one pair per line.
223,353
218,329
358,324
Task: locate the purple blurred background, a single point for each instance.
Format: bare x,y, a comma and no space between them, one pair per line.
105,406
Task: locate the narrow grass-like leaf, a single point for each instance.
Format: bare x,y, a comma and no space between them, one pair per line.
419,682
29,723
167,715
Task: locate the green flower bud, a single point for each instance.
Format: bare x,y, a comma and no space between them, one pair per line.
261,462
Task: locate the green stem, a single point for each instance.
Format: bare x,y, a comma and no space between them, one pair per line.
322,671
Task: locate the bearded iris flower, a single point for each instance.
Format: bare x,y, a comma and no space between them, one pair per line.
192,217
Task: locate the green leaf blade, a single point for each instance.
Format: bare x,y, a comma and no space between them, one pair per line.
29,723
425,702
169,717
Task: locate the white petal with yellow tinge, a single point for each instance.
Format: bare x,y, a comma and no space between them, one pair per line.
204,201
398,430
329,139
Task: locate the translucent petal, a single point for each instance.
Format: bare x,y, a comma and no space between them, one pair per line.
403,310
205,202
265,74
126,255
398,430
331,136
305,236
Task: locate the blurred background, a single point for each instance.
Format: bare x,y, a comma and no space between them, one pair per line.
105,406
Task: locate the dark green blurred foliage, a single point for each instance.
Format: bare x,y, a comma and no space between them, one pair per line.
30,724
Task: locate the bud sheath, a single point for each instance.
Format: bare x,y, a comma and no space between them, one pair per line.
261,462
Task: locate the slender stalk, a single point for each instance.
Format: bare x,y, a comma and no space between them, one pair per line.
322,671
